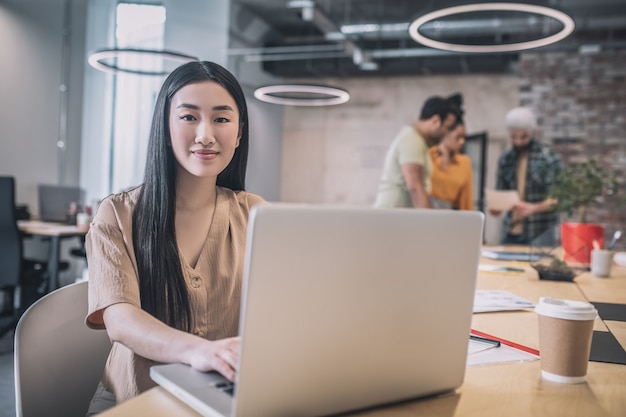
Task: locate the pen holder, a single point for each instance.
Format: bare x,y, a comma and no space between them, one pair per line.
601,260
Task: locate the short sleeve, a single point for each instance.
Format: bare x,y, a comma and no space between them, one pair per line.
253,199
112,267
411,148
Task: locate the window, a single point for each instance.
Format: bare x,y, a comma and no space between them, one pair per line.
137,26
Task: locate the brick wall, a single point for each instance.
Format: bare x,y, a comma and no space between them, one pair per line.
580,100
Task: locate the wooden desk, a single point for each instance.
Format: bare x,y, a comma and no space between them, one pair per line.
495,390
56,232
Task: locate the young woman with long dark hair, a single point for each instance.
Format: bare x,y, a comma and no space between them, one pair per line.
166,258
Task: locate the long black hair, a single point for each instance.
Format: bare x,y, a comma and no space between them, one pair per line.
162,286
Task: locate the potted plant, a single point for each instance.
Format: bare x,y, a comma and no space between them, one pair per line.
578,187
554,269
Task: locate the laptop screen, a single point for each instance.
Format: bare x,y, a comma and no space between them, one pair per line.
55,201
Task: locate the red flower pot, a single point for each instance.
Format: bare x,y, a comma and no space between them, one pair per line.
577,241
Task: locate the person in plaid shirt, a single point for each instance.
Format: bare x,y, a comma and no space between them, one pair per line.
530,167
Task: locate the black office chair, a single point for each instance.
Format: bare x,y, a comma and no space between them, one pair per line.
81,251
18,276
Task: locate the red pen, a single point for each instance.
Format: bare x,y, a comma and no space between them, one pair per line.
506,342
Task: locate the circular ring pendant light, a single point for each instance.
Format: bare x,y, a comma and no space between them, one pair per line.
97,60
564,19
286,94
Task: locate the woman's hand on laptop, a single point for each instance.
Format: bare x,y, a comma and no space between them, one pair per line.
217,355
151,338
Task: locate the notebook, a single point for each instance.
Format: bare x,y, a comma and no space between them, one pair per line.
345,308
503,255
55,200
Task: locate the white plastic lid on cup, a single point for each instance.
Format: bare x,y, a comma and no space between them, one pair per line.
565,309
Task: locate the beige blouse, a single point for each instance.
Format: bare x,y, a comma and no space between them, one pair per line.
214,285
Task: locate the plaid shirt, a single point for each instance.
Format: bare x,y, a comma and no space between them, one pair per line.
543,166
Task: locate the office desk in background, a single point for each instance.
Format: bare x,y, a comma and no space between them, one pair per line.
511,389
55,232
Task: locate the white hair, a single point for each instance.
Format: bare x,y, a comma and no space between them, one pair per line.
521,118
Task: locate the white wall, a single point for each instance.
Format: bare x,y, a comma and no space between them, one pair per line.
31,74
266,120
97,114
199,29
335,154
263,176
32,105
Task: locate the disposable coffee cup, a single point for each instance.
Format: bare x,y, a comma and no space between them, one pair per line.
601,260
565,331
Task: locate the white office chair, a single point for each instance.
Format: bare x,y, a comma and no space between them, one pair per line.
58,359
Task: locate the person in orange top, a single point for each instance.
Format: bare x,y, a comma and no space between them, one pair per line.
451,176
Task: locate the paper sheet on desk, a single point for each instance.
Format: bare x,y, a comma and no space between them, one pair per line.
498,300
501,200
499,269
481,354
503,255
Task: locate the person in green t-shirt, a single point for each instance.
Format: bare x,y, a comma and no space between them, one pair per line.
405,180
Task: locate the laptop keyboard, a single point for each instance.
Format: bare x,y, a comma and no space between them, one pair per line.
226,387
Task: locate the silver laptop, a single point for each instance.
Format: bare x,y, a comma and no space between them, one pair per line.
344,309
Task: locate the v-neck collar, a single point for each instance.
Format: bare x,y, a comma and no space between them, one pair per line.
217,230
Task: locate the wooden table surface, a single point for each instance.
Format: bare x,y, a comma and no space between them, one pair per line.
36,227
55,232
513,389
